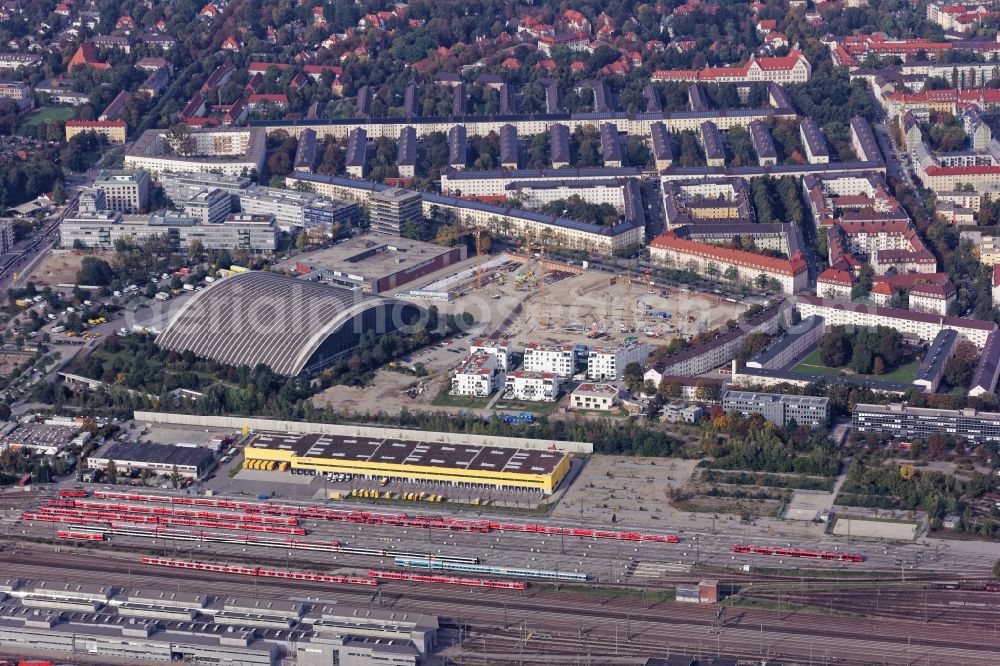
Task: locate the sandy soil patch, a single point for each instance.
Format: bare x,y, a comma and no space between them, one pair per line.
56,268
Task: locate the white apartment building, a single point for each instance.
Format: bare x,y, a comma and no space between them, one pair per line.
608,362
15,90
933,298
919,325
507,182
478,376
532,386
499,349
559,360
594,396
535,194
229,151
835,284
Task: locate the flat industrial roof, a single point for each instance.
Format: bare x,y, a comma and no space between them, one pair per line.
165,454
372,255
394,451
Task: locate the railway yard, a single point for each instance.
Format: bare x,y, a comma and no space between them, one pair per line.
526,590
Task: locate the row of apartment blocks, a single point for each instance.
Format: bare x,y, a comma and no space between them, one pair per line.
931,293
773,365
711,354
979,167
489,367
786,275
849,50
863,142
501,220
358,143
529,124
864,224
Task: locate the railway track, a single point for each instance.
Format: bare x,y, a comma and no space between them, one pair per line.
965,608
483,609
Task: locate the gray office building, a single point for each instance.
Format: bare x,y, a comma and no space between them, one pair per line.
900,421
779,408
125,191
390,210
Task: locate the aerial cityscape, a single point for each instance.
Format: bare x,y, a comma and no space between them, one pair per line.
447,333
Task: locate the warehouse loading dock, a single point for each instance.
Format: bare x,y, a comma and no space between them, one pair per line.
464,465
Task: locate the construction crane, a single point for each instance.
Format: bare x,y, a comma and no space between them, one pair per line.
538,274
462,232
543,315
629,314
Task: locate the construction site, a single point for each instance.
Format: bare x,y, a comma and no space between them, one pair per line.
530,298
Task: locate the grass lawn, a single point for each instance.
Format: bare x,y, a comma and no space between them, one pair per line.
813,365
536,408
445,399
48,114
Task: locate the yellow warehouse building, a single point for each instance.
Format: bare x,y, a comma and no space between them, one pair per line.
466,465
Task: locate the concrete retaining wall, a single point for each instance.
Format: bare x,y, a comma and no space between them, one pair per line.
238,422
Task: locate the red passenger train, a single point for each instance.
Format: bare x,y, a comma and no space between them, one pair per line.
387,519
257,571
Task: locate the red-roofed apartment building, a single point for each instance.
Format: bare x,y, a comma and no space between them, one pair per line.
791,274
832,283
933,298
793,68
86,55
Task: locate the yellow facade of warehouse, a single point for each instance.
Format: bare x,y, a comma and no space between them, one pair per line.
546,482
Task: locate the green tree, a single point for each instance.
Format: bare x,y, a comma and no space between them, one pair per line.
95,271
864,283
834,348
175,477
632,376
112,472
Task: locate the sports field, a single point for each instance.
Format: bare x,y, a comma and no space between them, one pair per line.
813,365
48,114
